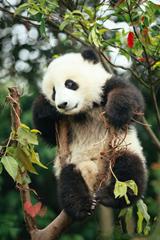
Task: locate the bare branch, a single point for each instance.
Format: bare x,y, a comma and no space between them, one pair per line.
131,55
55,229
125,68
151,134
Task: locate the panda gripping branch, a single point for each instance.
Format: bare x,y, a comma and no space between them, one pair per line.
77,87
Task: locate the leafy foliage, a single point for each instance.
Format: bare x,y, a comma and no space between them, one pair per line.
20,155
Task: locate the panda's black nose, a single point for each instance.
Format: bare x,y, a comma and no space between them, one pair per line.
62,105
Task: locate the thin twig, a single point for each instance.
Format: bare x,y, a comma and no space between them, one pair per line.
126,68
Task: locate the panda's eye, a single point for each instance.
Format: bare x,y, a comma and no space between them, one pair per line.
71,84
54,94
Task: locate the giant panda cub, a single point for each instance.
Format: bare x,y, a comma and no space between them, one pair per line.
77,87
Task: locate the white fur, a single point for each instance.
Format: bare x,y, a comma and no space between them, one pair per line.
90,78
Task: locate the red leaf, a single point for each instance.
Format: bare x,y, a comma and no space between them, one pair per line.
142,19
42,211
142,59
130,39
32,210
145,31
118,3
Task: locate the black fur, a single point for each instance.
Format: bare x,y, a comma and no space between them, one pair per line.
73,193
127,167
90,55
123,102
44,117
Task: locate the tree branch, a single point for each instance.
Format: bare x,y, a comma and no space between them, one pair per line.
125,68
151,134
24,190
55,229
131,55
59,225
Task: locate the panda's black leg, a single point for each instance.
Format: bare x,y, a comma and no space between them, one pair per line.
127,167
73,194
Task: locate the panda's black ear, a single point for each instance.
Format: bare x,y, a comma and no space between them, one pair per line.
90,55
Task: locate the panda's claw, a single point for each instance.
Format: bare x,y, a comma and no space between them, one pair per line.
94,202
94,196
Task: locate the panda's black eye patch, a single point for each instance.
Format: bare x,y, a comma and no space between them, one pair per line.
70,84
54,94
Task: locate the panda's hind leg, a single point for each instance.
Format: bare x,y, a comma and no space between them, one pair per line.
129,166
74,195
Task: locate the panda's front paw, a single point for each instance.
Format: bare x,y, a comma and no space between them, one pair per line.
119,113
121,106
118,117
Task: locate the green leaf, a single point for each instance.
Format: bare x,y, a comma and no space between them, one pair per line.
42,27
21,8
53,2
35,157
26,160
1,168
35,131
89,12
143,209
128,217
64,23
118,189
19,178
42,2
35,6
25,133
79,34
26,179
126,198
77,12
146,21
138,49
0,148
10,165
140,221
94,35
103,30
142,214
122,212
132,185
33,11
38,17
135,23
156,65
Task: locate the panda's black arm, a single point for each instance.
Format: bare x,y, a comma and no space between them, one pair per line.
44,118
127,167
123,101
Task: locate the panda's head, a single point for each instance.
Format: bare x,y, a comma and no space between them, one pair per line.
74,82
